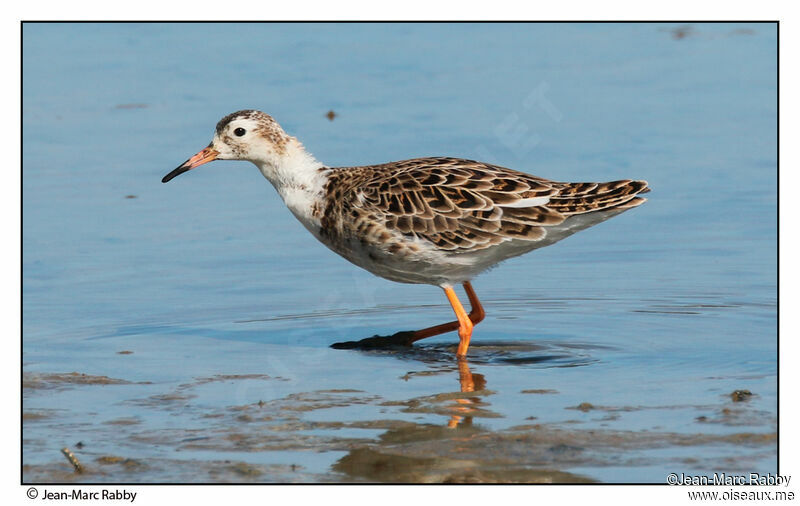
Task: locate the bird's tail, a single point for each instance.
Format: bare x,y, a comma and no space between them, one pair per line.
579,198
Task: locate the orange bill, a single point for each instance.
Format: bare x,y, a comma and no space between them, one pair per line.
204,156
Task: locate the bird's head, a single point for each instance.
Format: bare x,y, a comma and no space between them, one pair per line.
243,135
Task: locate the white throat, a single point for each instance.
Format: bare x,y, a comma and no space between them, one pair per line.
296,176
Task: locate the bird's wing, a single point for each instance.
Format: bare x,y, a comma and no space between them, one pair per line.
462,205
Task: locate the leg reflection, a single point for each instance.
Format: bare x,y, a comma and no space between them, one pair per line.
466,405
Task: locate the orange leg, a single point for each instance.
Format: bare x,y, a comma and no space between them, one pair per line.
463,325
475,315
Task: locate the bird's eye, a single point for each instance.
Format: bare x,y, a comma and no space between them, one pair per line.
239,132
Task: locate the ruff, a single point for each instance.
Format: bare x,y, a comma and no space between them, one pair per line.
438,221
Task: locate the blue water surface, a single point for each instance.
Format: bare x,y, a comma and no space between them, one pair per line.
655,316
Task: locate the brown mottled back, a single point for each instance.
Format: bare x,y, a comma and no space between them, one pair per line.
457,205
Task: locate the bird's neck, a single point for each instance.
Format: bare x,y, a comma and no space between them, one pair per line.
292,168
297,177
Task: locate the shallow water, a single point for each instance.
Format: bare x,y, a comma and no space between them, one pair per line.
197,316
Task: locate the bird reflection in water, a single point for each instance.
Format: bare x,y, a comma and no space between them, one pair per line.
466,406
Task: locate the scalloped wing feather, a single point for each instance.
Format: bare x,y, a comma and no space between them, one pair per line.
458,205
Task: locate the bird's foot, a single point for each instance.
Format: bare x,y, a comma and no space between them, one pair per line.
400,339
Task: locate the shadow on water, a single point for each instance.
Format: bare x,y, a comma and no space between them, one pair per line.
538,354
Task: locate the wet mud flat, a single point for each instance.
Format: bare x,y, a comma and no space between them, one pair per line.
184,433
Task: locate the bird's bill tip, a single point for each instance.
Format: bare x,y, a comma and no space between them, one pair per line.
204,156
